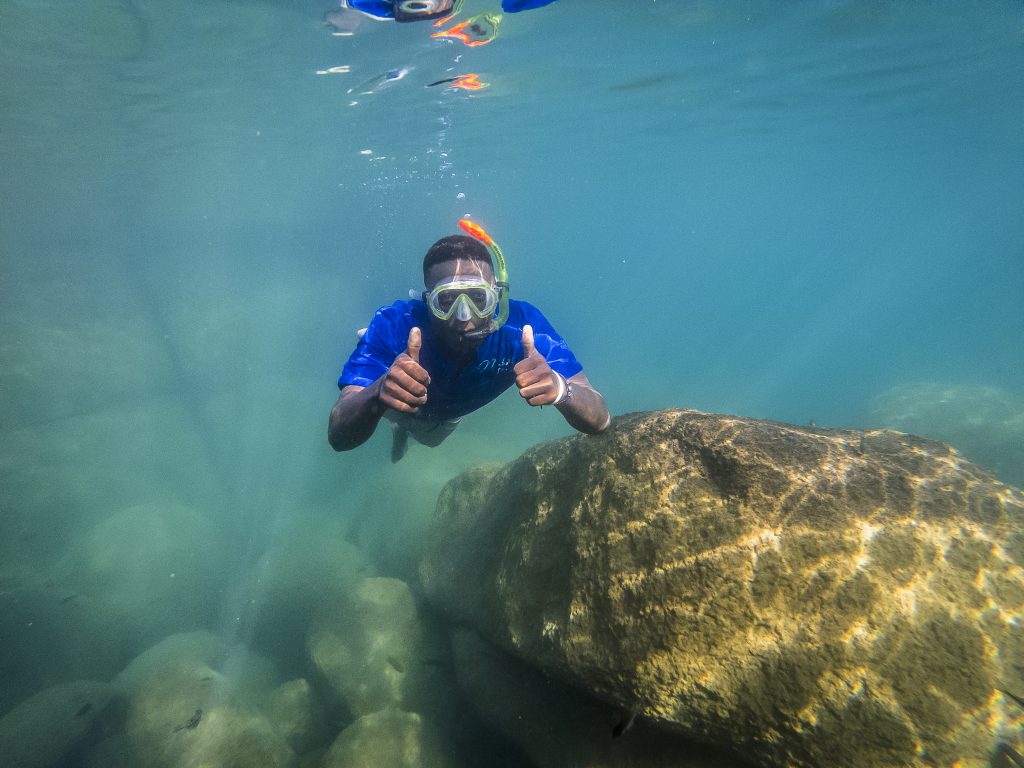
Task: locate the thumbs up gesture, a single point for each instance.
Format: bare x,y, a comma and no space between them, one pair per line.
538,384
404,387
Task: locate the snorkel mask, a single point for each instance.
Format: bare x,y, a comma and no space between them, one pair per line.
466,297
422,10
463,298
406,10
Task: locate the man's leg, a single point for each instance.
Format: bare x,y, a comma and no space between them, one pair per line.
428,432
433,433
399,443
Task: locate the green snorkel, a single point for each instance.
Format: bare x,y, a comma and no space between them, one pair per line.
500,270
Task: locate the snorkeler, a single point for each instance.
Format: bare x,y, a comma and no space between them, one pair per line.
424,10
425,363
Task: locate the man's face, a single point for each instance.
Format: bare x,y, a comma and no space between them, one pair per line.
453,332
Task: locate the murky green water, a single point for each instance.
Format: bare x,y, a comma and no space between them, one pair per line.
808,213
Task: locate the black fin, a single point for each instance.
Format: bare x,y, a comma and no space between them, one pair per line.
627,722
399,443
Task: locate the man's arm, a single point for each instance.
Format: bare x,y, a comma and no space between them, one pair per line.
583,407
575,398
358,410
355,416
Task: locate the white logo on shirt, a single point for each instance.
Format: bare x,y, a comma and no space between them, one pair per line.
494,364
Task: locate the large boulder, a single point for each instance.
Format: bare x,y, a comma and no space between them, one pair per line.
186,713
391,738
984,423
250,676
295,711
59,724
150,570
803,597
301,571
60,477
129,580
559,726
51,633
374,651
235,691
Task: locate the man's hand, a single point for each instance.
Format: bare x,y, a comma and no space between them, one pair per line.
538,384
404,387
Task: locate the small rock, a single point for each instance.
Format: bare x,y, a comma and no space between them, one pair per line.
58,724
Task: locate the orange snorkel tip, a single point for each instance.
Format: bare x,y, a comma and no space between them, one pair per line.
475,230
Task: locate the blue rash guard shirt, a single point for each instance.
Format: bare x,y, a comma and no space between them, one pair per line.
454,391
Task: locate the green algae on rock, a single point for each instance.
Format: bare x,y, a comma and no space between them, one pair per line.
803,597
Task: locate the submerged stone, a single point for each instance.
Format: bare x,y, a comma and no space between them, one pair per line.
803,597
374,651
985,423
295,712
150,569
558,726
390,738
59,724
188,714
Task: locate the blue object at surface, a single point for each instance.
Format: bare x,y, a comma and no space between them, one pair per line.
514,6
378,8
385,10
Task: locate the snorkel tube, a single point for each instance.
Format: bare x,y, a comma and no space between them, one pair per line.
500,272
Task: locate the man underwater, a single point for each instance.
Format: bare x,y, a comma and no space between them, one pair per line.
425,363
427,10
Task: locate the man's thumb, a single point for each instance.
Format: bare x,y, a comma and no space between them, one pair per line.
412,348
527,341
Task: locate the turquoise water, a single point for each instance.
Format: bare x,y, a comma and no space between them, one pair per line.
802,212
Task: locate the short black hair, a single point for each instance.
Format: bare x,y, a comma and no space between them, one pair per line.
456,247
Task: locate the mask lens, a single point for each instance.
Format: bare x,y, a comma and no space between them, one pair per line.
445,300
479,297
463,301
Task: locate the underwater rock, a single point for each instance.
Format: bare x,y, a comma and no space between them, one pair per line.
372,647
363,645
150,569
189,714
62,476
559,726
804,597
250,676
195,681
50,633
390,739
199,648
295,713
985,423
296,576
59,724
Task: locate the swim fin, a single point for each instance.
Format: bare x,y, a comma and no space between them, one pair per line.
399,443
